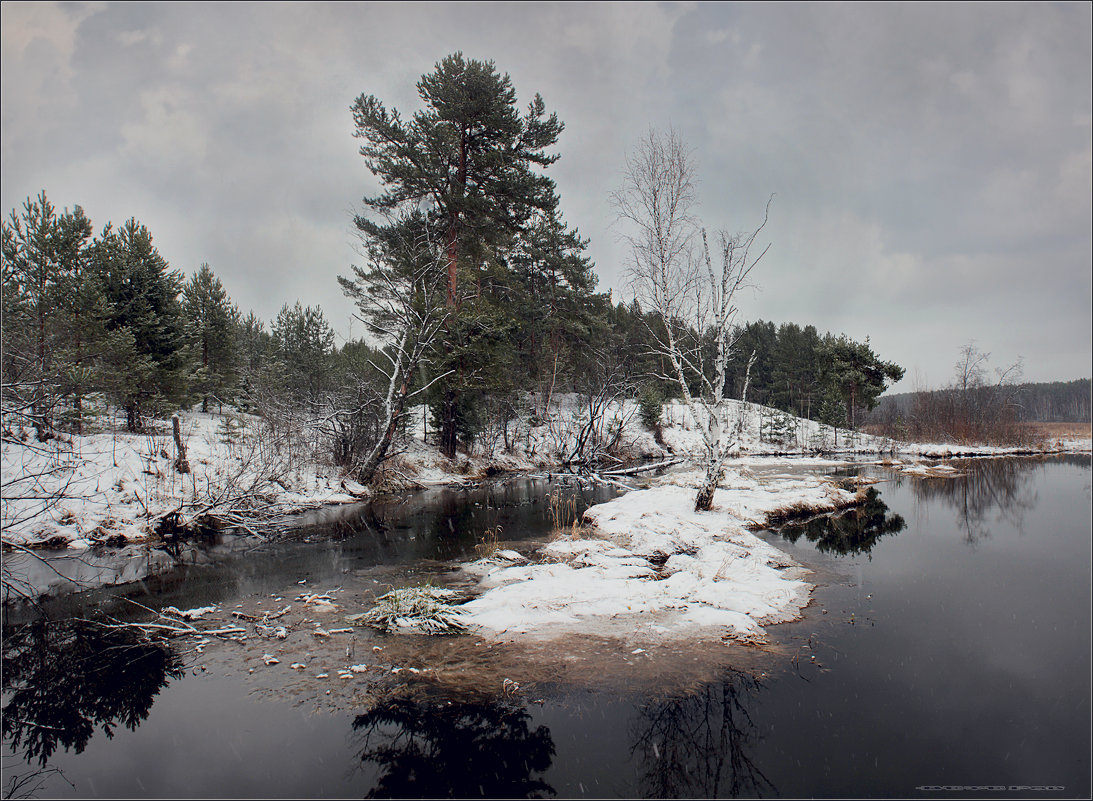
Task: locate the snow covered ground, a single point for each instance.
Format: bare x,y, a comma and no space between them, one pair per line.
108,487
114,486
651,566
547,440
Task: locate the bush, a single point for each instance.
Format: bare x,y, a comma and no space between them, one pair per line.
650,406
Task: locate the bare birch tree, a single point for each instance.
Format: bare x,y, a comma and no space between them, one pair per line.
691,289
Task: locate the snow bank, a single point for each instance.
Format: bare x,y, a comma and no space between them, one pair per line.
653,567
112,487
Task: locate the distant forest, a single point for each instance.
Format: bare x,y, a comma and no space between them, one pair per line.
1051,402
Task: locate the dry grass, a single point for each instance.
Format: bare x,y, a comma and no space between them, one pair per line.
803,511
424,610
1056,430
395,475
563,515
487,545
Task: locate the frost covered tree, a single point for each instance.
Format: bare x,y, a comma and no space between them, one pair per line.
691,288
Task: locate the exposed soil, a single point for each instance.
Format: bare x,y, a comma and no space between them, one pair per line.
299,645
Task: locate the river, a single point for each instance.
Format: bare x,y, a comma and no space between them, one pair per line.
946,654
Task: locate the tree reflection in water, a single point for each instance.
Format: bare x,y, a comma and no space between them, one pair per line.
63,678
985,485
695,745
445,749
852,532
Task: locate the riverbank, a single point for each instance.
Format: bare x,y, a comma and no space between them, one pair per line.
114,488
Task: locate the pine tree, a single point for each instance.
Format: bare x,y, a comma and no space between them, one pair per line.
304,342
146,354
211,322
833,410
858,374
255,348
44,255
80,305
470,156
549,293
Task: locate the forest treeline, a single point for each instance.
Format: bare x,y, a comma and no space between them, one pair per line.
981,404
1044,402
478,298
104,318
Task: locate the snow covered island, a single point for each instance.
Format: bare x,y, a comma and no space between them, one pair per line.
652,567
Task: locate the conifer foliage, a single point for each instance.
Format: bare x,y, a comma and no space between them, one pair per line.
211,323
469,157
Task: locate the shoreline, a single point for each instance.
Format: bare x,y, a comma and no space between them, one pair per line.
115,489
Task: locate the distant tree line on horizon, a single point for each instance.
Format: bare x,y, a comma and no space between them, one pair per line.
980,405
1040,402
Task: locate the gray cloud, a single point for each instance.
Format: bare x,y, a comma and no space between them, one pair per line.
931,162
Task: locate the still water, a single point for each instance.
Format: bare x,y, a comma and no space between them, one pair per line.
947,647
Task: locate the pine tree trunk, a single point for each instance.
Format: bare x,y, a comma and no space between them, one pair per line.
447,428
182,464
448,407
205,368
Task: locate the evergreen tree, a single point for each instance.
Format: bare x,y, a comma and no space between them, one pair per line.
211,324
833,410
144,316
82,310
255,348
857,373
550,296
43,255
304,342
470,156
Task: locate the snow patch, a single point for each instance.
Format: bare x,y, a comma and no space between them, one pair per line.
653,566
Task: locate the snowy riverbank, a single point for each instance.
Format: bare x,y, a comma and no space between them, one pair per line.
116,487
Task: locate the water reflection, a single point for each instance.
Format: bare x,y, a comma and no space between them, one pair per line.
853,532
445,749
1000,486
62,679
696,745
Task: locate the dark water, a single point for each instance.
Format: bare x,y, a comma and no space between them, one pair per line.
425,527
948,647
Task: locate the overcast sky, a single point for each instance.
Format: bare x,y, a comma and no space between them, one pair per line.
931,162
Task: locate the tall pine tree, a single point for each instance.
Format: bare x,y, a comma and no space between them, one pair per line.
145,318
470,157
44,253
211,322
